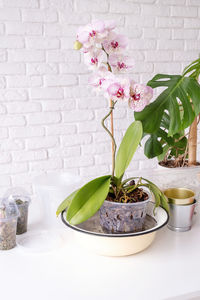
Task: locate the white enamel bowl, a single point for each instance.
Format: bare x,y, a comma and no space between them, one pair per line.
90,235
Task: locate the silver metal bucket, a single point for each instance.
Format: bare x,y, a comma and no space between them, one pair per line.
180,217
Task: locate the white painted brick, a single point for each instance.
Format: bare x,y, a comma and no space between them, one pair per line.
155,10
43,118
151,33
143,67
58,105
89,126
192,23
77,115
73,68
13,168
94,171
148,164
100,137
25,179
185,56
182,34
10,68
37,16
82,161
19,156
42,43
21,3
2,29
50,164
192,45
47,93
105,158
13,95
76,139
67,42
170,45
65,152
3,133
3,109
9,14
41,69
26,55
140,44
118,113
60,129
42,142
25,132
182,11
5,157
23,28
172,2
139,22
60,30
130,32
2,55
193,2
92,6
95,102
74,18
12,121
5,180
63,56
169,22
172,68
19,108
60,80
2,82
11,42
60,4
23,81
162,56
12,144
96,148
124,7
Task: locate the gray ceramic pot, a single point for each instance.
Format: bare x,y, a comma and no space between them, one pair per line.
123,217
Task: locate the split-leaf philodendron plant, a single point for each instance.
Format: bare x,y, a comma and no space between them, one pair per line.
174,110
104,52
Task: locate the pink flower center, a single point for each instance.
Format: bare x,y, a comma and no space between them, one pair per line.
121,65
136,97
120,93
94,60
114,44
101,81
92,33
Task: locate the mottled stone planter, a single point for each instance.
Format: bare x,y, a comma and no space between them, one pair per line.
123,217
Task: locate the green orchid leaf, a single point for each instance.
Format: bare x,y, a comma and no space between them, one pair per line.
65,203
128,147
88,200
164,202
152,147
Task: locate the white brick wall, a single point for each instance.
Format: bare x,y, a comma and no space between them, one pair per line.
49,119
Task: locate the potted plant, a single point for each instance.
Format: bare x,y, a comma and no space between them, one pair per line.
171,120
122,203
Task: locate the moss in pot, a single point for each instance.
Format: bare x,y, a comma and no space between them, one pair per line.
122,203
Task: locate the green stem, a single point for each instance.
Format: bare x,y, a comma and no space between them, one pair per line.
112,137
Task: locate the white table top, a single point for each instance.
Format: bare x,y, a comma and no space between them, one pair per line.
170,267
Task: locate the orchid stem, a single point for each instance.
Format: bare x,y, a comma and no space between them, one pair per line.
111,134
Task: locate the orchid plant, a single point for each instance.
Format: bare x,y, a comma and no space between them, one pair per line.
105,53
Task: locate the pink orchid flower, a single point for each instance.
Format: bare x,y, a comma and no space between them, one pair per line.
102,79
140,96
90,34
119,90
121,63
115,42
94,58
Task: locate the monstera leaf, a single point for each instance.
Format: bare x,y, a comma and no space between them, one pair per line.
179,90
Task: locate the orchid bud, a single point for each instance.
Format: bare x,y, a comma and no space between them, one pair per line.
77,45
